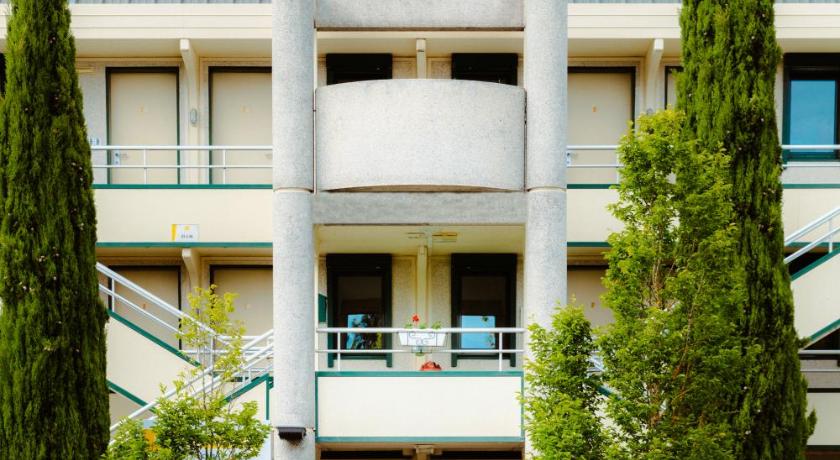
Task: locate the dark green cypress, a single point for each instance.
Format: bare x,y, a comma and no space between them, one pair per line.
53,392
730,57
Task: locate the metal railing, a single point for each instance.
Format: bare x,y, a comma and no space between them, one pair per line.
167,314
258,352
826,220
204,160
498,332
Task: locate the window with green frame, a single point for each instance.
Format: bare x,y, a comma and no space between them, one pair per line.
483,296
359,296
811,91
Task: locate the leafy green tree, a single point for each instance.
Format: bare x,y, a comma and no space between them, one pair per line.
53,392
672,354
200,421
730,58
561,397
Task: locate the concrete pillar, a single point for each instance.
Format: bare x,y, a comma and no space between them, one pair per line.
293,396
293,77
546,69
546,62
293,54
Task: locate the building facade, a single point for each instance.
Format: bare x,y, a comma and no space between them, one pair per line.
346,164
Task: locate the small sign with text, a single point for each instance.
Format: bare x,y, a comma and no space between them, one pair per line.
185,233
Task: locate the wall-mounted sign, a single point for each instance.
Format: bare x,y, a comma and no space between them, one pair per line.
185,233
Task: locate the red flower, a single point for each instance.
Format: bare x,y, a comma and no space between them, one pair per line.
415,318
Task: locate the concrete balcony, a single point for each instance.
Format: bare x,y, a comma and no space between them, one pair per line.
420,135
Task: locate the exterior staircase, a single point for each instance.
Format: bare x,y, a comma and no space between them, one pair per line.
144,354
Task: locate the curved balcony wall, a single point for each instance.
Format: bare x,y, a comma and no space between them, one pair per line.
420,135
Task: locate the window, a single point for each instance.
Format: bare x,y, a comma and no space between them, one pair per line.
483,296
359,296
490,67
811,102
346,68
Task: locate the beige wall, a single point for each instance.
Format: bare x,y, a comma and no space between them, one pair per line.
139,365
827,406
427,406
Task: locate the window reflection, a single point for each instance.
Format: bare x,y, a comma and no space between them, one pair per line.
813,109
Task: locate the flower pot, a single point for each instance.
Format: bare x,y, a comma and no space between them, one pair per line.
422,339
430,366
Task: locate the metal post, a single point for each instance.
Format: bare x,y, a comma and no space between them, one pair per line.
501,348
224,166
338,347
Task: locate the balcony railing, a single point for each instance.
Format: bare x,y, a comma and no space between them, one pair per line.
251,164
500,350
182,164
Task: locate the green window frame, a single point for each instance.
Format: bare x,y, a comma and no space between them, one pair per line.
342,268
489,266
809,67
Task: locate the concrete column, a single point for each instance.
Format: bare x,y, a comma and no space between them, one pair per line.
546,62
293,86
546,69
293,80
293,396
654,92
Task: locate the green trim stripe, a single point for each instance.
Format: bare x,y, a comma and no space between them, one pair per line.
250,386
824,332
167,244
152,338
419,439
118,389
182,186
419,374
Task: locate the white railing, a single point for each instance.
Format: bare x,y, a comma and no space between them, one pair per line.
571,150
824,221
258,354
202,159
165,315
498,332
794,163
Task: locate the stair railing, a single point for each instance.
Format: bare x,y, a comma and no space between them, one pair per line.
826,219
114,279
258,350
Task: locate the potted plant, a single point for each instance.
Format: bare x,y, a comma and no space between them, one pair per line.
423,337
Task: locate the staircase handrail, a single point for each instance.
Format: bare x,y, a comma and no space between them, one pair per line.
826,218
257,354
157,301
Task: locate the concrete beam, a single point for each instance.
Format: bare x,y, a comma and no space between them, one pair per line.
382,208
419,14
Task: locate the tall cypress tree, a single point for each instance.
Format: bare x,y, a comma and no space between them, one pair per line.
53,393
730,57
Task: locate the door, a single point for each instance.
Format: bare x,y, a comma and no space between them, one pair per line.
600,106
143,110
240,111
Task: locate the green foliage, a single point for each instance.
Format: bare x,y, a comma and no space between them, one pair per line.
672,354
53,392
200,421
730,57
561,397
